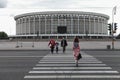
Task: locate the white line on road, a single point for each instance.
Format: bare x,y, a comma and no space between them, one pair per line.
73,72
70,60
65,55
51,68
72,76
70,64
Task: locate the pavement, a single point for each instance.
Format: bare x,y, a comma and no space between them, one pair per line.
43,45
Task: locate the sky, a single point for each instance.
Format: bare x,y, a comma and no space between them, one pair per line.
11,8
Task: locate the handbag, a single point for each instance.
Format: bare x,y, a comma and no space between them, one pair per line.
79,56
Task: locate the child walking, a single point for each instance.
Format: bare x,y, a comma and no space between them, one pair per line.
57,44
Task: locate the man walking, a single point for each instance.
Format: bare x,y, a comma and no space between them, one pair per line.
64,44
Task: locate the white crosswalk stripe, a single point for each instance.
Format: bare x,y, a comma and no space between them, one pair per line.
72,76
49,68
68,62
73,72
57,65
63,66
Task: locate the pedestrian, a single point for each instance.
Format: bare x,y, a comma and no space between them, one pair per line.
76,50
56,45
64,44
52,45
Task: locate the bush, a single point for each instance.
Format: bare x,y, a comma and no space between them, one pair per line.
3,35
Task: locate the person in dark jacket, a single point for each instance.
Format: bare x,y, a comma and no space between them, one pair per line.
64,44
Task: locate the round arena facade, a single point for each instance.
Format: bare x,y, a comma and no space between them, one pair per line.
62,23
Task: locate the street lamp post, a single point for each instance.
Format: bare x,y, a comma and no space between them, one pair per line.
112,27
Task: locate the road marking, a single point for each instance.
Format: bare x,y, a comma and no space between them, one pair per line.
68,58
63,60
72,76
47,72
52,65
68,62
58,65
84,55
51,68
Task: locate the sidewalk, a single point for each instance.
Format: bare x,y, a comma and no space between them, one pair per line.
44,45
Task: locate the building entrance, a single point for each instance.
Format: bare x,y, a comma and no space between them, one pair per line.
62,29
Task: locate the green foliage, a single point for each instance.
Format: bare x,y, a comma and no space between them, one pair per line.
3,35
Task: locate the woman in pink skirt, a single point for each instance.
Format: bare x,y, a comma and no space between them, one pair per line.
76,49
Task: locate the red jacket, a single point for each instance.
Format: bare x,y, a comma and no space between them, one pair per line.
51,43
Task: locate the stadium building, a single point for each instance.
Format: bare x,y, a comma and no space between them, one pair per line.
62,23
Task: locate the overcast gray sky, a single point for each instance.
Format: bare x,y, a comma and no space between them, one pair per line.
10,8
3,3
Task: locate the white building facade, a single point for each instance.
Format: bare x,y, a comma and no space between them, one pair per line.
62,23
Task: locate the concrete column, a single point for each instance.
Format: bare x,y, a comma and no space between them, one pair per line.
78,25
65,19
104,31
17,27
102,26
21,26
106,23
58,21
39,25
45,24
34,25
25,25
21,22
89,25
51,24
98,25
84,26
29,26
71,24
94,26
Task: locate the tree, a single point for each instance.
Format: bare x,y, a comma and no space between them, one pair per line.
3,35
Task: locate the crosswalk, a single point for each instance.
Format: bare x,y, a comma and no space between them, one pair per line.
55,66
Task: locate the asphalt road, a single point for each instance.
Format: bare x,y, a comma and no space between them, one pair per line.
14,65
111,58
41,65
